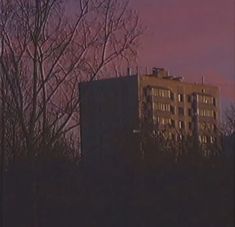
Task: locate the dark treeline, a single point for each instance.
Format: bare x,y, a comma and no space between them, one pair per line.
54,190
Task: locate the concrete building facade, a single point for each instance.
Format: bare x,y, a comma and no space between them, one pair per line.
112,110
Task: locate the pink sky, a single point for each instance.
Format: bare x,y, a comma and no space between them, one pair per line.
192,38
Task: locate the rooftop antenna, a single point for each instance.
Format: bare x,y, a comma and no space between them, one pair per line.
202,80
128,71
137,70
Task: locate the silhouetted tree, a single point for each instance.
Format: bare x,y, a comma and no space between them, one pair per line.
228,126
46,51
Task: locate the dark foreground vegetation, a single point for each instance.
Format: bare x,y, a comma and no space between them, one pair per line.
55,191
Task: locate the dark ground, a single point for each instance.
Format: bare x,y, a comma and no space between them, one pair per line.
64,194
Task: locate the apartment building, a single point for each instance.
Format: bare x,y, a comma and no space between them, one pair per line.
112,110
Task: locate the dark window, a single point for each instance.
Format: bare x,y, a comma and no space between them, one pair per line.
214,128
189,112
189,98
172,110
145,91
148,98
181,111
214,114
180,137
214,101
190,125
172,123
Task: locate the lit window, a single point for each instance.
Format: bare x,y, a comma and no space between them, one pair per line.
158,119
170,136
154,118
203,139
180,97
161,106
207,126
162,121
206,113
206,99
202,126
181,124
165,121
180,137
212,139
159,92
200,139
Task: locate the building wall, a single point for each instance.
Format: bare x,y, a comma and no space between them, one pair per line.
112,108
183,108
109,113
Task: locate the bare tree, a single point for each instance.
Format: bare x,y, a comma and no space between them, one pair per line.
46,51
228,127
